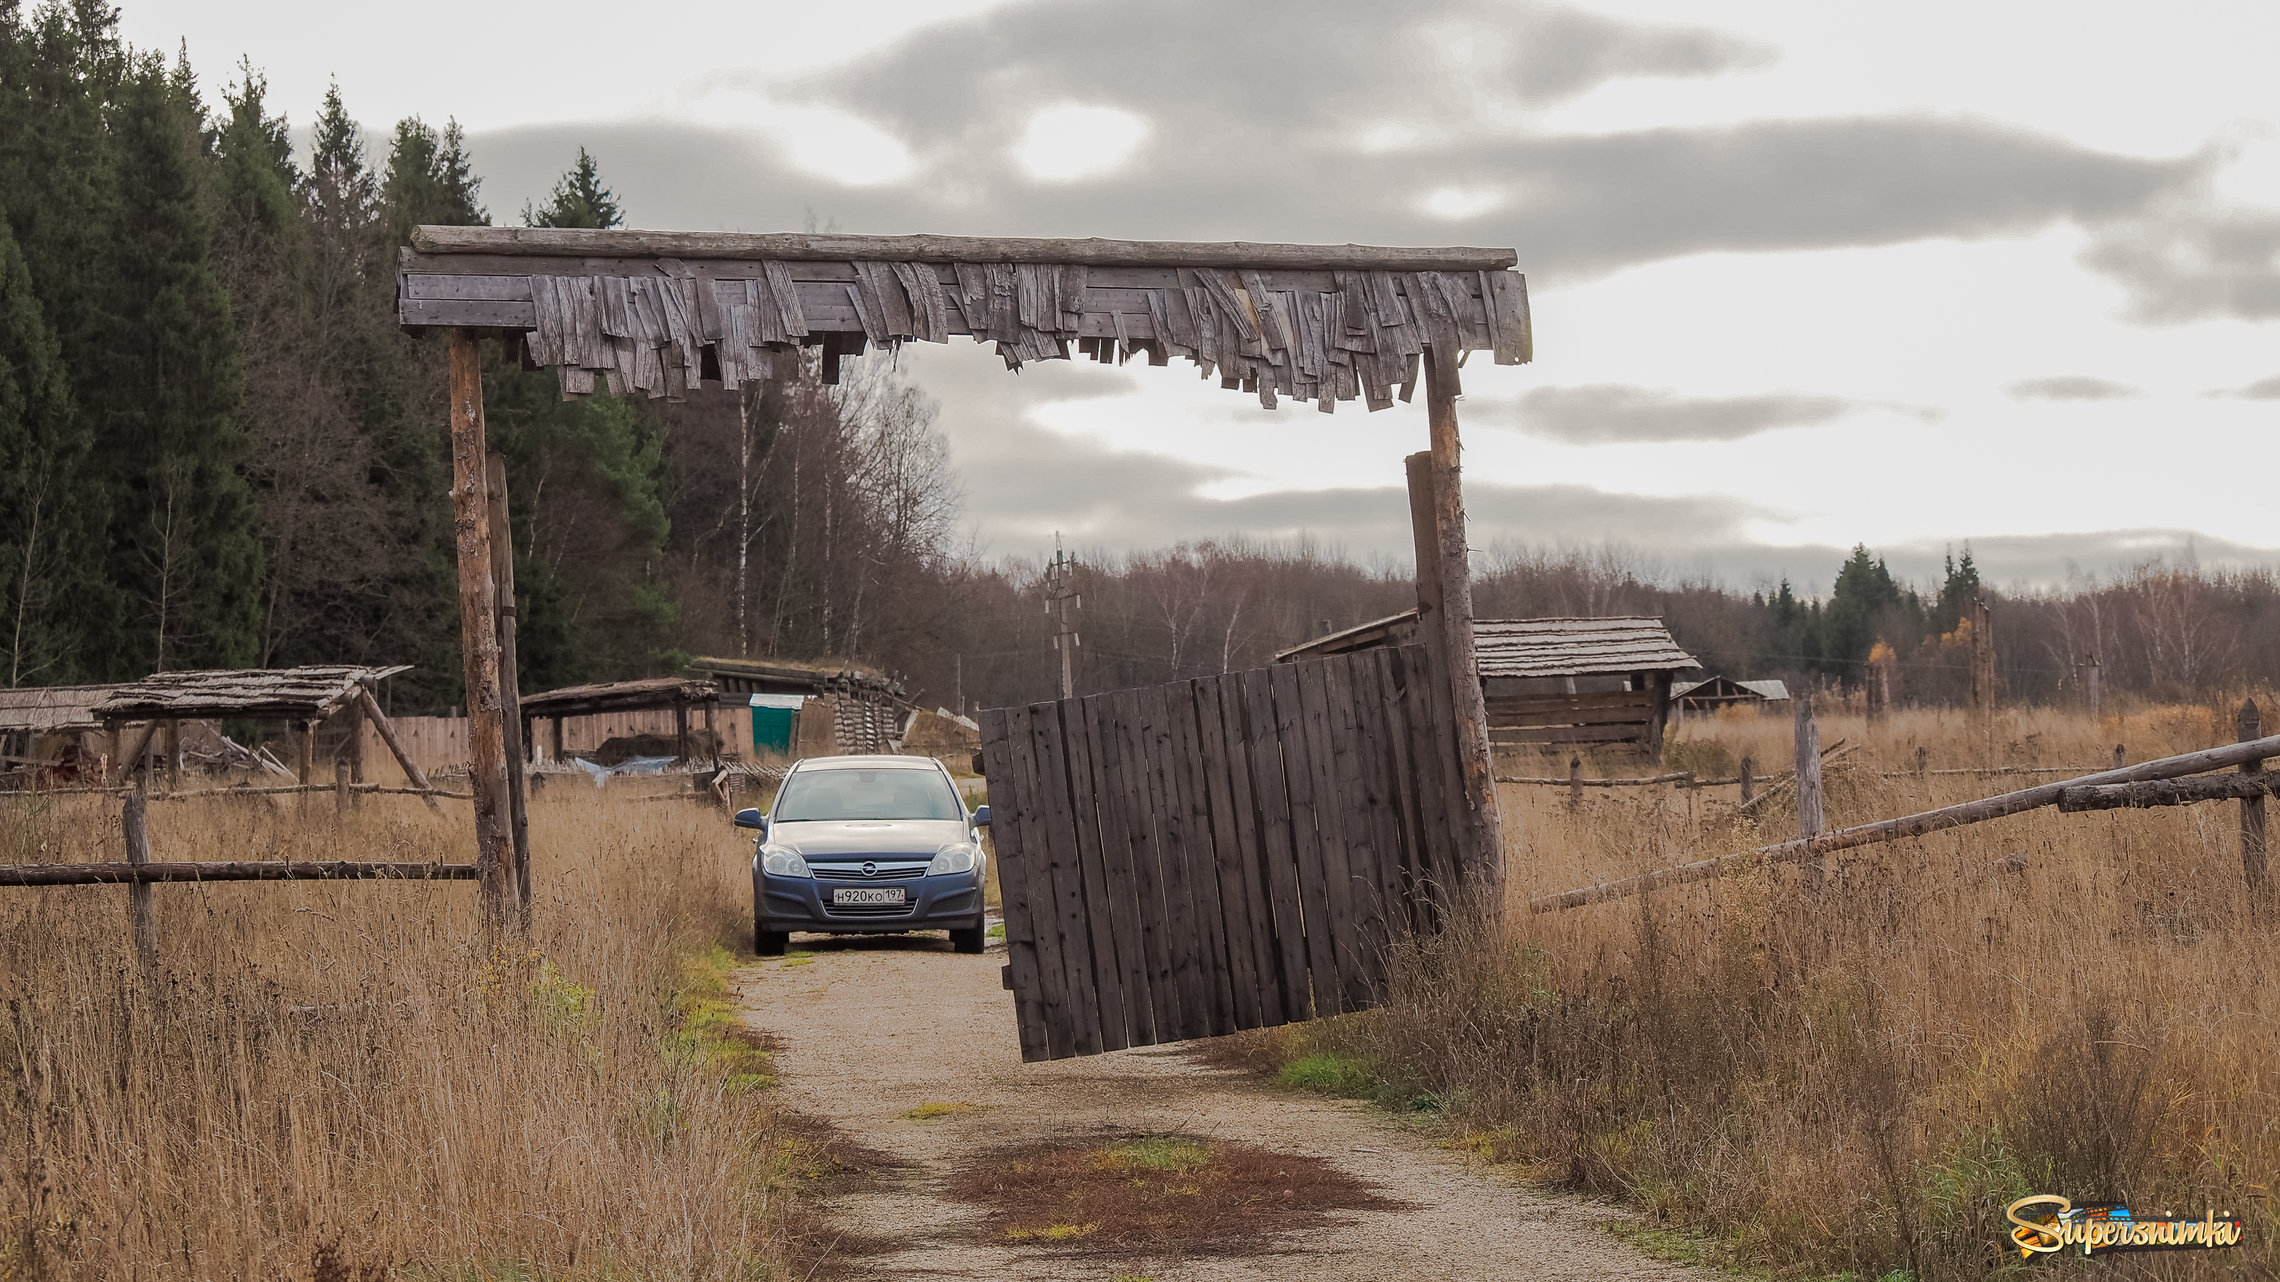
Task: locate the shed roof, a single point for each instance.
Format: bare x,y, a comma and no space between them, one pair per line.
619,696
793,676
1773,690
1576,647
301,693
660,312
51,708
1559,647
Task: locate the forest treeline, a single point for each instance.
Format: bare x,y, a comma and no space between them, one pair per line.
218,449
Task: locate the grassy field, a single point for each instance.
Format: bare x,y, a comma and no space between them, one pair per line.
1856,1078
339,1082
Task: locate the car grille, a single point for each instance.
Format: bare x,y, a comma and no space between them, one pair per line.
854,872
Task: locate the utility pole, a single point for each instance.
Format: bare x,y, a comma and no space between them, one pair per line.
1060,594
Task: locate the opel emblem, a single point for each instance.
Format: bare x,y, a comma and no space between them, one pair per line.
870,869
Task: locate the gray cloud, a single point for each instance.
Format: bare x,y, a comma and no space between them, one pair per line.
1606,413
2071,387
2263,389
2192,259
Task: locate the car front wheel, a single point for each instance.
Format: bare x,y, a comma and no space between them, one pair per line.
769,943
969,941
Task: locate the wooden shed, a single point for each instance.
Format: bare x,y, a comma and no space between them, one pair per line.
303,698
53,730
1713,693
679,694
1552,684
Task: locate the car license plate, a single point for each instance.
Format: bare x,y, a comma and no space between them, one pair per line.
847,895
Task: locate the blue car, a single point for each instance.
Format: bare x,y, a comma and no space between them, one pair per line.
867,845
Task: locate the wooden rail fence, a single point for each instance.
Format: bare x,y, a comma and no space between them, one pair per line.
2143,784
1232,852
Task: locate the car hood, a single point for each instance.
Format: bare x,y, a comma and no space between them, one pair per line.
855,839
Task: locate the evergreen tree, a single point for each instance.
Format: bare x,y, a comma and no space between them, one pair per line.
579,200
1958,590
50,531
167,404
430,181
1864,591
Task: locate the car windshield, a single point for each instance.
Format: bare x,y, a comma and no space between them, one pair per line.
867,794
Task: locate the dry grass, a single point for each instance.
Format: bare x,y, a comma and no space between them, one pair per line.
339,1081
1858,1077
1157,1195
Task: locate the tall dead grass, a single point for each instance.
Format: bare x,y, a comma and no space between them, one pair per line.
338,1081
1858,1073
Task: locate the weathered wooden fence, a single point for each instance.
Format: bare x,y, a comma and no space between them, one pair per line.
1231,852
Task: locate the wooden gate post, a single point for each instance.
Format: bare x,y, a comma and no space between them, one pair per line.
142,913
1982,660
1575,782
2252,821
1443,563
479,631
1810,820
510,685
2090,681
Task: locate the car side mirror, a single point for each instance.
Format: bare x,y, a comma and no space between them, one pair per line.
750,817
981,816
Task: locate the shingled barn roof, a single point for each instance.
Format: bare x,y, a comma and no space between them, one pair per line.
619,696
1528,647
660,312
305,694
51,708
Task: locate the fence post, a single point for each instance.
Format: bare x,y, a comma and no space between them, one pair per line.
1575,781
2118,761
340,785
2252,820
1810,821
2090,673
1982,660
142,914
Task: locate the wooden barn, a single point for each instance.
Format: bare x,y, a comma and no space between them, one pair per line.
52,731
1552,684
1713,693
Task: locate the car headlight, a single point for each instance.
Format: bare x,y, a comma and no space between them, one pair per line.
960,857
782,862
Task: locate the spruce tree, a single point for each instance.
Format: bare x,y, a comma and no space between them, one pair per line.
579,200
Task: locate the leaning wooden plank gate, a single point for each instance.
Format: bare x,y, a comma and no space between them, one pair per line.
1230,852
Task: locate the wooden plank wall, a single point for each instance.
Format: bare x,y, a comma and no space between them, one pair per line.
437,742
1231,852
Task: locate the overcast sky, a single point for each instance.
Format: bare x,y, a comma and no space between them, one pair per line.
1804,274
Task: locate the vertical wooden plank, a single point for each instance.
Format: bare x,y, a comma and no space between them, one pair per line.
1181,936
1013,864
1433,869
1271,786
1036,882
1259,913
1081,988
1482,839
510,681
1148,874
1121,883
1085,814
1200,856
1330,820
1307,838
1236,933
142,912
1381,731
1360,783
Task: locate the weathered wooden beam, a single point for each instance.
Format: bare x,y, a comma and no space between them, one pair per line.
1092,252
2252,818
386,729
131,760
142,913
1579,782
1916,825
2169,792
1453,566
510,689
479,630
146,874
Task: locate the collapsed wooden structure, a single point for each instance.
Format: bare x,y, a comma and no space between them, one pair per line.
303,698
656,313
1552,684
679,694
866,708
45,727
1714,692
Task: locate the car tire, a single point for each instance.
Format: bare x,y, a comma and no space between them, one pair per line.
972,940
769,943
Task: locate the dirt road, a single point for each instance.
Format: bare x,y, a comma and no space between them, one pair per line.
871,1030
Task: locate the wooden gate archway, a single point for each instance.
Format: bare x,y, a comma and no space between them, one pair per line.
657,313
